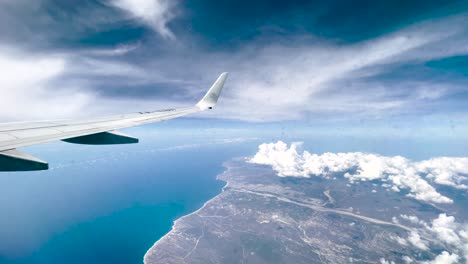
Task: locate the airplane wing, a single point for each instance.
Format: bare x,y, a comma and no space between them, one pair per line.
94,131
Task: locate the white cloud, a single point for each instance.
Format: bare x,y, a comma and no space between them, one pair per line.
445,228
446,171
278,82
443,231
400,172
98,67
384,261
117,51
400,240
274,82
55,85
444,258
407,259
155,13
413,219
416,241
27,88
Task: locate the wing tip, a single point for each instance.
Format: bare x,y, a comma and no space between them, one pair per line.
211,97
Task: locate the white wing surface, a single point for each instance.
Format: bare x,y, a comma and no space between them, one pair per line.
94,131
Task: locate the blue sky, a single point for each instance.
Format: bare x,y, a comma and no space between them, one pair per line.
367,65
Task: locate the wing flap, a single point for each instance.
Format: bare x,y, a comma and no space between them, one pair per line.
103,138
15,160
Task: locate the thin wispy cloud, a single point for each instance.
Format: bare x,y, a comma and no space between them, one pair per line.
155,13
27,89
120,50
306,78
394,173
319,78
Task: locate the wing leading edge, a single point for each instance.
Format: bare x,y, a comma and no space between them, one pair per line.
95,131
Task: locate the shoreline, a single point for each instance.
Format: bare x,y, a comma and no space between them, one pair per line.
173,227
316,208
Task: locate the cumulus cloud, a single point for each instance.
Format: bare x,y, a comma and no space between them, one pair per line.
154,13
399,171
446,171
407,259
445,228
443,231
413,219
444,258
416,241
384,261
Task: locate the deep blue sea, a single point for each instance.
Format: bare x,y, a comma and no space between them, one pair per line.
108,204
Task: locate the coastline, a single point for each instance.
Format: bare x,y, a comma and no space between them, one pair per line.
174,225
256,209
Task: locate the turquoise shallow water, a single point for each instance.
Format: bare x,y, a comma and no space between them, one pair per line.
106,205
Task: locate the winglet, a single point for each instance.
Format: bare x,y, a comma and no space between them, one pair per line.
211,97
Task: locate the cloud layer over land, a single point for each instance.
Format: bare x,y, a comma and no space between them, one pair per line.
419,179
394,173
